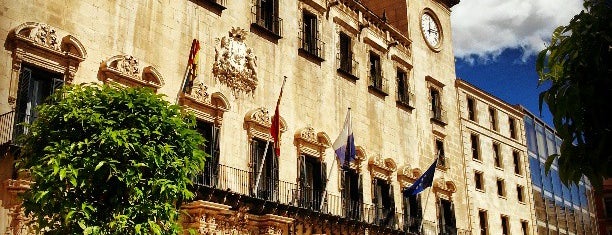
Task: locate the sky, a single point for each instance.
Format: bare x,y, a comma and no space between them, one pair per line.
496,41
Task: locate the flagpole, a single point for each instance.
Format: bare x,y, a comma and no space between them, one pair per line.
330,170
263,160
427,198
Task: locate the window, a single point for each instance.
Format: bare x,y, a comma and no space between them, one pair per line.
446,218
493,118
482,218
346,62
310,35
35,85
516,158
505,225
403,89
265,15
471,106
384,203
608,206
479,180
211,146
376,78
436,108
313,178
475,148
352,193
413,214
496,155
512,127
520,193
265,182
501,188
440,153
525,227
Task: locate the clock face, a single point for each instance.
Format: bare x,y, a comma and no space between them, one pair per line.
430,30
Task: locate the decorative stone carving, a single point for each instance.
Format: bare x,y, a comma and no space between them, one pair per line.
39,45
206,106
44,34
235,64
443,188
382,167
311,143
18,221
125,70
406,175
257,123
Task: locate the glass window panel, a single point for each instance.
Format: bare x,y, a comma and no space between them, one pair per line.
531,135
534,166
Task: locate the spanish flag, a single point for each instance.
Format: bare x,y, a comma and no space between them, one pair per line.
192,66
275,127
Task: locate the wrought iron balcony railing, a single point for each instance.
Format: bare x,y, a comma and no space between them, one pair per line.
312,45
347,64
405,97
378,82
7,125
229,179
439,115
267,19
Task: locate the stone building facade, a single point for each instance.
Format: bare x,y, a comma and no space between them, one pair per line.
497,166
394,68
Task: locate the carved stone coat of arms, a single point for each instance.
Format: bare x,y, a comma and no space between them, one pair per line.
235,64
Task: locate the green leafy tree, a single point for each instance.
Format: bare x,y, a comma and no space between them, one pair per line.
578,64
105,160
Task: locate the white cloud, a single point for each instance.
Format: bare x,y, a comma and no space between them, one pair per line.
482,29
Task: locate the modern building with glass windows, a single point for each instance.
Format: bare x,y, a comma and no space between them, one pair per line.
559,209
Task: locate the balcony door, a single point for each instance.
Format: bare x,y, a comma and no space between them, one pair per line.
384,203
413,213
210,133
264,183
446,218
313,179
352,194
35,85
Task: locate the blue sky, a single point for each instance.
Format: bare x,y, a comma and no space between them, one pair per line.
496,41
509,78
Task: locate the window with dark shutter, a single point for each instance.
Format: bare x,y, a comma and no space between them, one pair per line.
266,180
447,217
211,147
346,56
351,193
35,85
313,178
471,109
474,144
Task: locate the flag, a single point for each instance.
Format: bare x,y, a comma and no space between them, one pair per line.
192,65
423,182
275,127
344,146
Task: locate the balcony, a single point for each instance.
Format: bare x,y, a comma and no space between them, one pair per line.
231,186
216,6
405,99
267,22
10,128
439,116
347,66
311,47
378,84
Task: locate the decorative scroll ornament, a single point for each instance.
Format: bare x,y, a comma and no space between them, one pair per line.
235,64
125,69
44,34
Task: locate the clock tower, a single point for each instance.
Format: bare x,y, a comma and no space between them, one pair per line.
427,24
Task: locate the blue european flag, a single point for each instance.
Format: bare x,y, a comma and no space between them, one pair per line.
426,180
